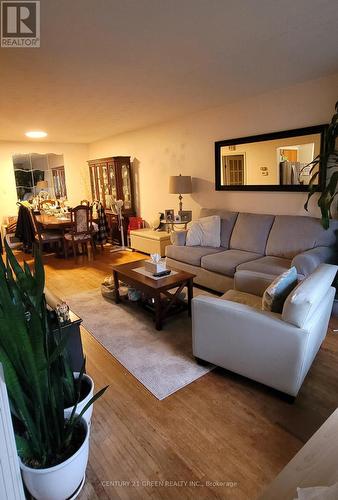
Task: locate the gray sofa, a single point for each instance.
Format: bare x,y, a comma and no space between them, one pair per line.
255,248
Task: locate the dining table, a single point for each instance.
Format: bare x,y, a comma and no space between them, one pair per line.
53,222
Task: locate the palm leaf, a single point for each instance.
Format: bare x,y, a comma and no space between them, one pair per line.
328,159
312,189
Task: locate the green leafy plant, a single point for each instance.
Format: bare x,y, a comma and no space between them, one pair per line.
328,161
39,382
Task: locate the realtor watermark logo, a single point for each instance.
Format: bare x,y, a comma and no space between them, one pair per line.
20,24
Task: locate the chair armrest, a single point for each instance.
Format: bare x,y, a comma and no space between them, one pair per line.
307,262
178,238
243,316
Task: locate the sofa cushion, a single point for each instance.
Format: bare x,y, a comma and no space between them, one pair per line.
292,234
275,295
227,262
178,237
267,265
305,298
251,232
228,220
205,232
243,298
190,255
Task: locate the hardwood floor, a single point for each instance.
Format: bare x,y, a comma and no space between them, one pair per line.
221,428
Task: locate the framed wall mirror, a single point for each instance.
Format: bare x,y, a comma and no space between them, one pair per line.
35,172
269,162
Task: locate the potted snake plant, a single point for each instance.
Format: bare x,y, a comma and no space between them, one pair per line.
52,445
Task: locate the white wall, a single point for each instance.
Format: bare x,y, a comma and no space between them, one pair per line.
76,170
186,146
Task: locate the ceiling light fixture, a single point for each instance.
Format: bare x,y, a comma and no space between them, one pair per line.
36,134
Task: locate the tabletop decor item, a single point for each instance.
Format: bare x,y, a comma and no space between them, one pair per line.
186,215
157,225
155,264
62,312
169,215
180,184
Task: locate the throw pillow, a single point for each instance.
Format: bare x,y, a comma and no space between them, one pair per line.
205,232
276,293
178,238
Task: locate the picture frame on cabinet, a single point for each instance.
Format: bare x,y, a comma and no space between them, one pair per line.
169,215
185,215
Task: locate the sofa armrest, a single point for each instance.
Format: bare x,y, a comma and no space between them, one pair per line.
253,343
252,282
178,238
307,262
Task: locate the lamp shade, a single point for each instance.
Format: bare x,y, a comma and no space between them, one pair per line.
180,184
42,185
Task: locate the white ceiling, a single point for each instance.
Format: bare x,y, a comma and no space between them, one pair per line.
109,66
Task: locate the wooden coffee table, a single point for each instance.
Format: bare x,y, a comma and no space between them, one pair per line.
165,302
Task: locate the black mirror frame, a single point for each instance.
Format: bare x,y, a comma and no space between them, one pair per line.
317,129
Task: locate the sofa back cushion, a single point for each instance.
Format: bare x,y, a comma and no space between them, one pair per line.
228,220
306,297
251,232
293,234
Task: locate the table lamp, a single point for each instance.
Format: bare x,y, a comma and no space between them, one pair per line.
180,184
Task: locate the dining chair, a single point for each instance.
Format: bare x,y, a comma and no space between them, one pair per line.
43,237
82,231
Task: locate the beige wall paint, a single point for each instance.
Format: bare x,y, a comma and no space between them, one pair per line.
186,146
76,170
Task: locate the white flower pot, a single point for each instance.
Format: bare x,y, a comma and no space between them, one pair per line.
88,414
62,480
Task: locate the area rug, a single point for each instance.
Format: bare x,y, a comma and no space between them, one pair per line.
161,360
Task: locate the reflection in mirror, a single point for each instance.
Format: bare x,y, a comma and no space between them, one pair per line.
272,161
39,172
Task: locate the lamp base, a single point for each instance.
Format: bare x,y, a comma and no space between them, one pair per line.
180,204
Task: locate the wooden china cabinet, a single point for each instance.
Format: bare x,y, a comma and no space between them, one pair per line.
111,179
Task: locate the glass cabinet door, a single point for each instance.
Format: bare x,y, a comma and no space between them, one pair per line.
99,182
126,186
112,181
105,179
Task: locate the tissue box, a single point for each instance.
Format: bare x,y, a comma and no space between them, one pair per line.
153,267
